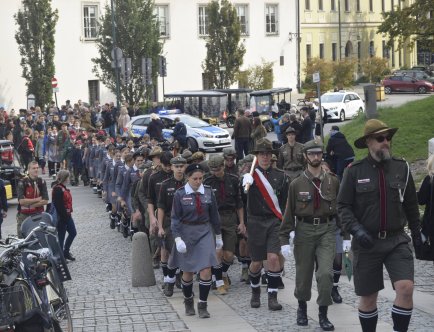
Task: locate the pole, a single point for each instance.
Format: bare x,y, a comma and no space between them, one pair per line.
116,56
163,86
55,97
318,93
340,29
298,45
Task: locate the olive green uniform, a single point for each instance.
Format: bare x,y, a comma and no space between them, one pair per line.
314,233
291,159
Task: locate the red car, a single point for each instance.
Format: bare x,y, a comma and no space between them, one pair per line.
401,83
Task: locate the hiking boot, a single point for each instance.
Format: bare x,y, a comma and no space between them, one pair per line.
264,281
203,312
227,282
244,274
335,295
168,290
221,290
189,306
255,301
280,284
302,314
324,322
273,305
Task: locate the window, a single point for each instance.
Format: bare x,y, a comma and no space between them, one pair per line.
371,6
308,52
321,51
93,87
307,4
334,51
271,19
90,17
359,50
203,21
385,50
320,5
371,49
347,5
358,6
162,14
243,17
333,5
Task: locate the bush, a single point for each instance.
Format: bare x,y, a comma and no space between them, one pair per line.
375,69
325,69
362,79
343,72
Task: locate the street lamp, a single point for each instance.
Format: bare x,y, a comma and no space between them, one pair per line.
222,70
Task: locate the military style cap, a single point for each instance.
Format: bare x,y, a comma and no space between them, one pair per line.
249,158
192,168
156,151
197,156
178,160
216,161
372,127
186,154
313,146
263,145
229,152
290,130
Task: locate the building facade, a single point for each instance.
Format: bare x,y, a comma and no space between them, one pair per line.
265,26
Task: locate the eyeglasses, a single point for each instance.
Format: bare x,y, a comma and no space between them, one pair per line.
380,139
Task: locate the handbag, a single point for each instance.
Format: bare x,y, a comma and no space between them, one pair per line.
427,248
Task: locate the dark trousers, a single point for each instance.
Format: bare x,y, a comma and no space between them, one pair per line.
76,172
1,222
242,147
340,166
64,227
53,167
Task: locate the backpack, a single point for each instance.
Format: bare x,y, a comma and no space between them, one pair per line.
26,146
51,210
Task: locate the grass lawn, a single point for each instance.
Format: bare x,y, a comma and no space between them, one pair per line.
415,121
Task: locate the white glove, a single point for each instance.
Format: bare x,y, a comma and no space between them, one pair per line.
291,237
247,178
286,251
180,245
346,245
218,242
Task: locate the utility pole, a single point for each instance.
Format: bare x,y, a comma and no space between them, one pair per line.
340,29
115,55
298,45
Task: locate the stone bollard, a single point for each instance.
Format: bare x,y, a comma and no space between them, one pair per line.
370,101
431,147
142,273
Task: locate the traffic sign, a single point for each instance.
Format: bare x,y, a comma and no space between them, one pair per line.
116,54
55,90
316,77
54,82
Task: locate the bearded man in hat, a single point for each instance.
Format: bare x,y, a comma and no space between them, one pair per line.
266,197
376,200
310,214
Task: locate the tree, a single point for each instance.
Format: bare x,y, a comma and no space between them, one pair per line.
137,35
409,25
257,77
35,38
325,69
375,68
343,73
223,45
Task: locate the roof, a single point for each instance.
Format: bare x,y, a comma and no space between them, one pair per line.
195,93
227,91
270,91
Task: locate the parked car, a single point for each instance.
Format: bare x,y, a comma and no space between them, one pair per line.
399,83
416,74
342,105
200,134
9,172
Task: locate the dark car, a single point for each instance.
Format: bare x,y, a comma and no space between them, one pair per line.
9,172
400,83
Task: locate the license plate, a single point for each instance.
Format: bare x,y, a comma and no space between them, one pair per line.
226,140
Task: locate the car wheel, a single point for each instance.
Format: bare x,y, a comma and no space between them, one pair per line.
268,126
387,90
192,145
360,111
421,89
230,121
342,116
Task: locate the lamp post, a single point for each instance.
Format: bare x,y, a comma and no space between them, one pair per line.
116,60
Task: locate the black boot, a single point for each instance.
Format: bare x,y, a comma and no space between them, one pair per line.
255,301
323,320
168,290
335,295
189,306
202,309
273,305
112,221
302,313
178,280
281,285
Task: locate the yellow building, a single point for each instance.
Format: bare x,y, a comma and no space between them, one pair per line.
352,24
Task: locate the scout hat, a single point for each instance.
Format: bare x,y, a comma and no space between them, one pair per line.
216,161
229,152
197,156
313,146
372,127
290,130
156,151
178,160
263,145
186,154
192,168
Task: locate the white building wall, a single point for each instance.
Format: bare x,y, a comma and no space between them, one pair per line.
184,49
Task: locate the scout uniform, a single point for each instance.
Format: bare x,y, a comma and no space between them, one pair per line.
230,152
290,157
310,211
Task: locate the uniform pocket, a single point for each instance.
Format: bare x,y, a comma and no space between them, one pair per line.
366,192
395,189
304,203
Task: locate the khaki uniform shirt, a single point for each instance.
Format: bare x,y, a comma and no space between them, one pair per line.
290,160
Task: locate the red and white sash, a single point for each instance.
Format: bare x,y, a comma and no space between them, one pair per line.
267,191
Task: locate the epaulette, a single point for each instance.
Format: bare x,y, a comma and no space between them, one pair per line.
399,159
354,163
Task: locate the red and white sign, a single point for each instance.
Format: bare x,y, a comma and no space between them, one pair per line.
54,82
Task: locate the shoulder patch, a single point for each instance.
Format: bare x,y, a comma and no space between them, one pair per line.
354,163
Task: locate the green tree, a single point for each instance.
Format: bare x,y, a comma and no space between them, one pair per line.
137,35
343,73
325,69
409,25
375,68
35,38
223,45
257,77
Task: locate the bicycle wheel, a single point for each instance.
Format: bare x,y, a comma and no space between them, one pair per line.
58,300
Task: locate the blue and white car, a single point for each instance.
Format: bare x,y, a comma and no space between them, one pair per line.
200,134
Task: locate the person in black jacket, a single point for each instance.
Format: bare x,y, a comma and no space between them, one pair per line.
180,134
155,127
339,152
77,162
306,133
3,204
425,197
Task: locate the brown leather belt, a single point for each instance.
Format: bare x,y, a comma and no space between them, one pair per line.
386,234
314,220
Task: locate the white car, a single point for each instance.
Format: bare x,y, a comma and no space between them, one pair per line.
342,105
200,134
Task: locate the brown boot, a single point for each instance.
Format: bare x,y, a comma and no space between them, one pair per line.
168,290
273,305
189,306
202,309
255,301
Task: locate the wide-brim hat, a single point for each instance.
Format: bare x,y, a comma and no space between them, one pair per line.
156,151
373,127
263,145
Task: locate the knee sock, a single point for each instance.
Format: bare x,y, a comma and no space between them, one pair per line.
273,280
217,272
255,278
187,288
368,320
164,268
336,273
225,267
243,262
401,318
204,287
171,275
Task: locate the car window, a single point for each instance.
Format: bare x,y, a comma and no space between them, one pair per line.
193,122
332,98
407,79
138,122
347,97
167,122
355,97
396,78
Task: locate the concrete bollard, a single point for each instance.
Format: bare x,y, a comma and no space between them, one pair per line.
370,101
431,147
142,273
